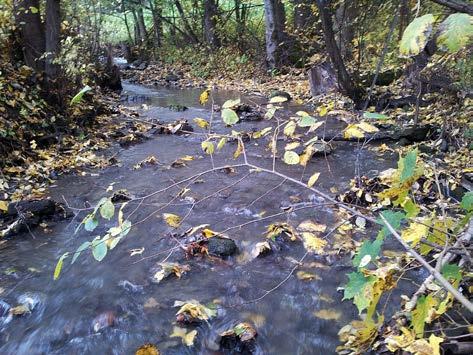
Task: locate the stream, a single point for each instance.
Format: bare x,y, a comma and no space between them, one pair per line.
62,321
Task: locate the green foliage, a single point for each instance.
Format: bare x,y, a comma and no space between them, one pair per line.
78,97
229,116
467,202
407,165
416,35
368,251
455,32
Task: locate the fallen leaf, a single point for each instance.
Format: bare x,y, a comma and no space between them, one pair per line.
188,338
173,220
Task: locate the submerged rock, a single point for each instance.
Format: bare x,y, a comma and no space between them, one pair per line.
240,339
178,108
103,320
221,247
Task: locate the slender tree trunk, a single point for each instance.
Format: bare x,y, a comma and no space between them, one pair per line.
275,25
190,33
345,27
157,11
53,33
403,17
345,81
28,20
141,24
210,31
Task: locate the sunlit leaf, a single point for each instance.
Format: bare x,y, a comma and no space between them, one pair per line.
306,121
188,338
291,158
455,32
173,220
416,35
277,99
289,128
208,147
90,223
408,165
78,97
312,243
231,103
99,248
221,143
375,116
419,315
313,179
204,97
467,201
107,209
414,233
353,131
201,123
58,268
229,116
3,206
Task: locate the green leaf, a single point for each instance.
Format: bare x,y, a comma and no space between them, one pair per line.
407,165
356,282
231,103
291,158
107,209
208,147
78,98
229,116
455,32
368,251
79,250
126,226
416,35
467,201
393,218
452,271
306,121
420,313
375,116
90,222
99,248
58,268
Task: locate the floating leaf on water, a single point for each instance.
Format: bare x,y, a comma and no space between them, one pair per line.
307,276
313,179
244,332
173,220
147,349
309,226
168,269
328,314
312,243
188,338
192,311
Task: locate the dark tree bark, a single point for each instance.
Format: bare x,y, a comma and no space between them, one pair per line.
53,33
275,19
403,17
457,5
28,20
141,24
210,17
345,26
157,11
345,81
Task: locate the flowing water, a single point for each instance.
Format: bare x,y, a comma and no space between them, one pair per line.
62,321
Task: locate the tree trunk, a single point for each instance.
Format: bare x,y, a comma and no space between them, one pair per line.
275,25
141,24
157,11
457,5
345,28
28,20
403,17
53,33
189,32
345,81
210,16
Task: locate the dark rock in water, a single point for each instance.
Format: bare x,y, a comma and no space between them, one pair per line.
121,196
103,320
240,339
177,108
280,93
222,247
171,78
249,113
24,215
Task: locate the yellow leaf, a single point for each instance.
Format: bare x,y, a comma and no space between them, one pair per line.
147,349
208,147
290,128
291,158
239,150
201,122
309,226
3,206
313,179
323,110
204,97
172,220
187,338
328,314
291,146
367,127
414,233
312,243
352,131
307,276
434,342
208,233
307,154
221,143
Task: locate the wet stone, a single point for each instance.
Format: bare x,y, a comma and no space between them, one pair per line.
103,320
222,247
178,108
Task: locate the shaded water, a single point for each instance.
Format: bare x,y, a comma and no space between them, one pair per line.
62,322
